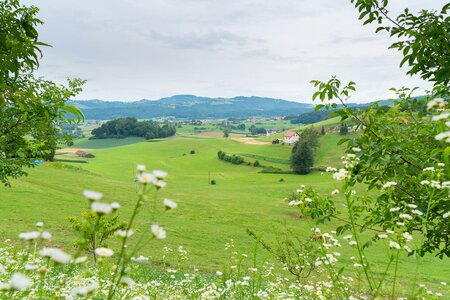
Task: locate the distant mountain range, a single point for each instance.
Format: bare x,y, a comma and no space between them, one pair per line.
192,107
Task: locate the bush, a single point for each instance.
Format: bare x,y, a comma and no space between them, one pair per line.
256,163
213,182
192,152
89,155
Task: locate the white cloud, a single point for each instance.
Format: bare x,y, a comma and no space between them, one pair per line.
134,49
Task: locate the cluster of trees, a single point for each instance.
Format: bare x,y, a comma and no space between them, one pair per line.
302,155
234,159
257,130
125,127
309,118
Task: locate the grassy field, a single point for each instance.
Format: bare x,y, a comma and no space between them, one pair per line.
208,215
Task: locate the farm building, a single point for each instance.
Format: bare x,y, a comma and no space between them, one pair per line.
291,137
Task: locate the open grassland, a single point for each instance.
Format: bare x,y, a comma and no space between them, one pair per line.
208,215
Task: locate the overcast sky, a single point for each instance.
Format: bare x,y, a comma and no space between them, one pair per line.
134,49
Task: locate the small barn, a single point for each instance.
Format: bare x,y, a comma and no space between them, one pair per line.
291,137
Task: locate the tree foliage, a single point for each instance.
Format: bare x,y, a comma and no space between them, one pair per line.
422,38
302,157
125,127
403,151
311,136
30,107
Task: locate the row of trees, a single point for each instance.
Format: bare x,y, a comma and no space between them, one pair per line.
125,127
234,159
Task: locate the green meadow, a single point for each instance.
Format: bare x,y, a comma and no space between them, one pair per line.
208,215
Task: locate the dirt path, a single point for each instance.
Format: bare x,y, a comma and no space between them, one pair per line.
234,136
249,141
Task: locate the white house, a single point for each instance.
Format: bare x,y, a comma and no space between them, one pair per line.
291,137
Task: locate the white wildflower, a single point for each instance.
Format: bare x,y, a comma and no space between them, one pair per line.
425,182
79,260
292,203
417,212
56,254
218,273
104,252
160,184
356,149
84,290
169,204
127,281
407,236
160,174
334,192
406,216
341,175
389,184
443,136
446,215
141,168
394,209
429,169
146,178
352,243
124,233
30,267
347,237
92,195
330,169
383,236
407,248
141,259
394,245
158,232
101,208
46,235
436,103
412,205
20,282
440,117
115,205
40,224
32,235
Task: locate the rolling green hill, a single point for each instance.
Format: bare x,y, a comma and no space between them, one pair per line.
208,215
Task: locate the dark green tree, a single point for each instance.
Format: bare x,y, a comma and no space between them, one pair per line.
302,158
344,129
311,136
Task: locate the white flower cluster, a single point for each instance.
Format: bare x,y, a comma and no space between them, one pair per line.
439,104
156,177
